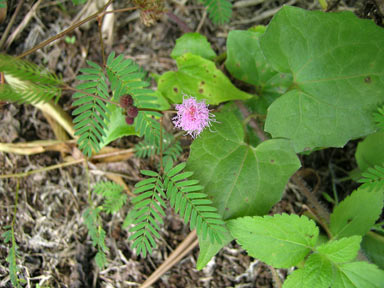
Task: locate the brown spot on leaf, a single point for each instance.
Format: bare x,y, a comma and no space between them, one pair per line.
237,64
175,89
272,161
368,79
201,91
202,83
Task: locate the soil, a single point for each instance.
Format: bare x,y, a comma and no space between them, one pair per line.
54,247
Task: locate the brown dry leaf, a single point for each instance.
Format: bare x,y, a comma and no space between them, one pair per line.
35,147
59,115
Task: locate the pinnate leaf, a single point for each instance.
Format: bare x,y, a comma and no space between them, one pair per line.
209,249
219,11
280,240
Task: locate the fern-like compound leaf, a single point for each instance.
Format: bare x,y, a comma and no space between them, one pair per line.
126,77
171,147
187,198
9,237
92,113
373,178
147,126
27,83
92,221
148,212
114,198
219,11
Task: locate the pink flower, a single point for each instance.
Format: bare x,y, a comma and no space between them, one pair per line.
192,116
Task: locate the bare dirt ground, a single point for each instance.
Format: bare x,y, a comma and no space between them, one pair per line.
54,247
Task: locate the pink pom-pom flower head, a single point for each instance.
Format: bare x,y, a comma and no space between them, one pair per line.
192,116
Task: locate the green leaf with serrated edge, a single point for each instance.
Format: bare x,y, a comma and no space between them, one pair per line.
357,275
193,43
317,273
336,60
356,214
208,249
370,151
280,240
373,247
341,251
198,77
241,180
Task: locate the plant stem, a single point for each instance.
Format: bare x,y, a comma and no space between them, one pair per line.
13,231
322,214
100,23
88,181
183,26
73,27
155,110
65,164
252,122
161,145
220,58
10,24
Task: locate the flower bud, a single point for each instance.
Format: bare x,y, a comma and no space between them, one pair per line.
132,111
126,101
129,120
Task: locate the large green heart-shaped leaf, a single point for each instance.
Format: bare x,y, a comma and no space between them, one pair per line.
246,62
200,78
241,180
337,64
